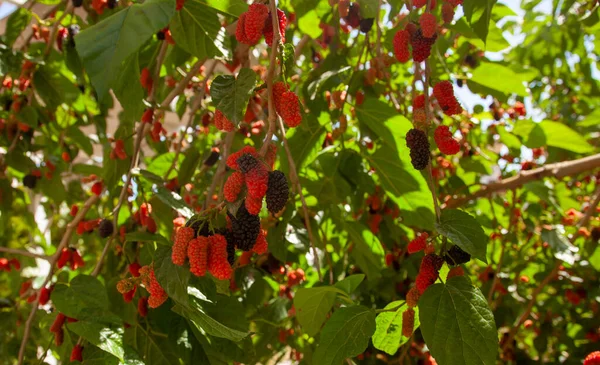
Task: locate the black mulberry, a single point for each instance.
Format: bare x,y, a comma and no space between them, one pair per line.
456,256
278,191
212,158
245,228
247,162
418,143
105,228
30,181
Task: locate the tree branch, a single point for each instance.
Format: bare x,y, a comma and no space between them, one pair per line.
557,170
63,243
15,251
183,83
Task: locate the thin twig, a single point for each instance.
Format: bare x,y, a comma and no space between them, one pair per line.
272,118
296,181
428,119
183,84
63,243
15,251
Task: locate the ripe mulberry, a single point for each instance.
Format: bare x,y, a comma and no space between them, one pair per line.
592,359
421,45
445,142
230,247
240,32
412,297
247,162
428,272
401,41
456,256
268,29
232,159
418,244
278,89
64,258
30,181
447,12
254,22
444,93
142,306
233,186
217,258
257,181
417,142
222,123
182,237
278,191
408,322
198,254
105,228
212,158
261,245
290,109
428,24
245,228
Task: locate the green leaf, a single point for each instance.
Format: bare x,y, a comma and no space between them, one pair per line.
561,247
15,24
464,230
368,8
500,78
289,61
188,166
312,307
53,87
173,278
229,7
560,136
457,324
109,339
196,314
478,14
129,90
195,28
83,298
175,201
231,95
368,252
104,46
388,335
346,334
75,134
146,237
350,283
29,116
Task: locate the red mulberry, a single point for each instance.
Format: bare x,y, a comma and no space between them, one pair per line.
278,89
182,237
268,29
157,294
447,13
422,3
217,258
592,359
58,322
233,186
412,297
401,41
417,142
253,205
64,258
421,45
232,159
261,246
222,123
128,297
198,254
254,23
290,109
444,93
257,181
59,337
428,272
445,142
278,191
142,306
76,353
240,32
418,244
428,24
408,322
455,271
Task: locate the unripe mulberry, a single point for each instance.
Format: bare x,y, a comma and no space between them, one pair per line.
76,353
278,89
59,321
142,306
428,24
198,254
217,258
253,205
157,294
444,140
290,109
105,228
418,244
64,258
232,159
456,256
257,180
408,322
245,228
124,286
182,237
254,22
417,142
268,29
222,123
401,41
278,191
447,12
412,297
233,186
134,269
240,32
261,245
128,297
444,93
421,45
592,359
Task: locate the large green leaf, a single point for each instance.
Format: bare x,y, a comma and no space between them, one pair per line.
312,307
478,14
53,87
350,283
104,46
83,298
195,28
108,339
173,278
175,201
388,335
15,24
464,230
128,88
228,7
346,334
368,252
457,324
560,136
500,78
231,94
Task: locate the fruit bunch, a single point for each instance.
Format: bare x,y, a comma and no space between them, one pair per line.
258,21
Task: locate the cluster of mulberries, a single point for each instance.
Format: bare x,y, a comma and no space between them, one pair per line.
444,93
417,142
252,173
445,142
222,123
287,104
408,322
210,254
257,21
420,39
157,294
421,45
428,272
70,256
456,256
418,244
